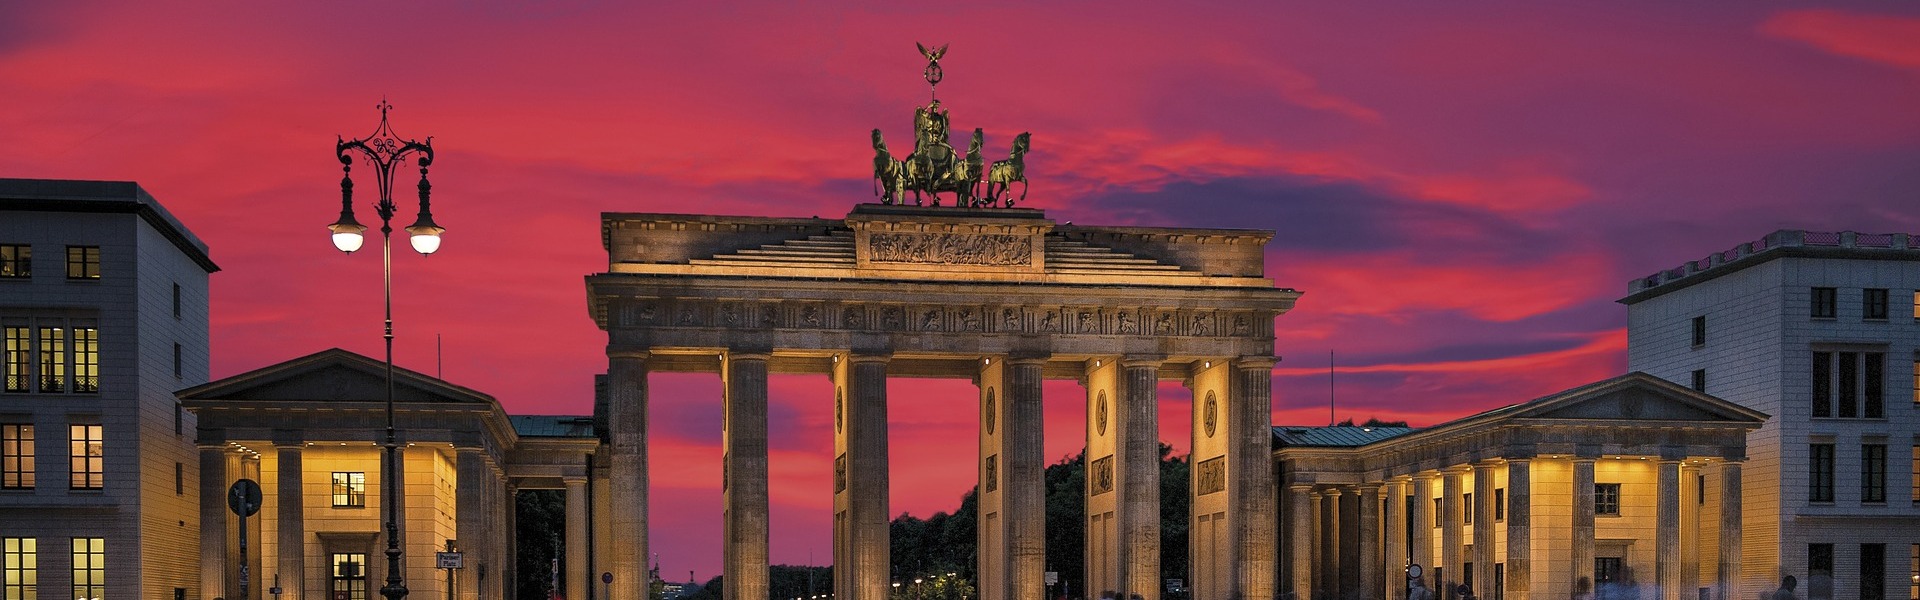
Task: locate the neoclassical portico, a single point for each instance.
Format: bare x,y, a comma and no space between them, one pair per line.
1631,481
1003,297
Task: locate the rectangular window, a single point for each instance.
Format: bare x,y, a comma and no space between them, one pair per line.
1823,384
349,490
1820,473
179,418
89,568
1849,385
89,457
1819,571
20,352
1824,302
1916,387
1499,504
22,568
348,577
1873,397
86,359
1439,512
1873,572
1700,331
1916,317
16,260
1916,481
1499,581
1913,591
1608,569
53,363
1467,501
1700,380
176,361
1701,497
1873,473
1606,499
179,479
176,301
16,456
1873,304
83,262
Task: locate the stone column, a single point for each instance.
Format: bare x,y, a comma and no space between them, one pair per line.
860,478
1372,569
627,477
1250,465
509,552
1394,574
1519,528
575,586
1451,538
1483,529
1319,546
1728,581
213,523
1102,533
1301,523
1023,458
1336,580
1690,494
472,514
291,522
1666,531
1423,554
744,487
1139,482
1583,524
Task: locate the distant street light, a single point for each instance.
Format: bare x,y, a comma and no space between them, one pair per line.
385,150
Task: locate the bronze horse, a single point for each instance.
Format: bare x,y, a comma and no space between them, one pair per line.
889,176
1004,172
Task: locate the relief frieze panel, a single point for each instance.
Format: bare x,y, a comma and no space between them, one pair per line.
934,318
989,250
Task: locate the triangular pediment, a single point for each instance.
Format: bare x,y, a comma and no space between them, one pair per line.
1636,397
333,375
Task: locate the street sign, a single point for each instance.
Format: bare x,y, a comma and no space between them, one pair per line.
244,497
607,577
1413,571
450,560
1053,578
275,590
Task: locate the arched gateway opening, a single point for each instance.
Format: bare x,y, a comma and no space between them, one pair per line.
1001,296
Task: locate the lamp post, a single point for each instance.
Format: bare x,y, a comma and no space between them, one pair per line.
385,150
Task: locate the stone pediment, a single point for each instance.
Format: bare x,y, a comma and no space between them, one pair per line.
1636,397
332,375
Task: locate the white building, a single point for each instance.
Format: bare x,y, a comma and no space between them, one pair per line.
103,311
1818,330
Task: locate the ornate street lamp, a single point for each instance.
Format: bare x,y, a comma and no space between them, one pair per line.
385,150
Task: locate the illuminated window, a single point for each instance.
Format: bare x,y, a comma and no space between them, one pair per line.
86,359
1820,473
16,456
53,364
1873,473
83,262
89,568
1916,317
1873,304
1916,386
1849,385
21,566
1914,590
1824,302
348,577
1606,499
16,260
88,456
349,490
20,353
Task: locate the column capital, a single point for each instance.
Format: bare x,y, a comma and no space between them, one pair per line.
627,353
759,354
1129,361
1485,466
869,356
1456,469
1255,362
1300,488
289,438
1585,459
1334,492
573,480
1026,358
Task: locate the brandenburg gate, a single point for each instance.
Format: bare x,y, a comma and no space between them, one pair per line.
975,290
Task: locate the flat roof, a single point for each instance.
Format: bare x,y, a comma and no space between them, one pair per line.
1785,243
74,195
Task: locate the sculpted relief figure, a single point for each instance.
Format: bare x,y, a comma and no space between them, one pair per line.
1011,320
851,318
1125,323
1164,325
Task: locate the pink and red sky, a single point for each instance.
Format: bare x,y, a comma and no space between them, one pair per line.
1462,190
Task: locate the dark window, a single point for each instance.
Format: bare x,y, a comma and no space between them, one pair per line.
83,262
1499,581
1701,498
88,457
1466,518
1466,574
1820,473
1849,384
1824,302
1500,504
1873,397
1606,499
1873,473
349,490
348,577
1873,304
179,479
176,361
1700,380
16,260
176,301
1916,481
179,418
1819,571
1700,330
1916,387
1608,569
1823,384
1439,512
1873,572
16,456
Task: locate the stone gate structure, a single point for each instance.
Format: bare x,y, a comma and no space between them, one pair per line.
1002,296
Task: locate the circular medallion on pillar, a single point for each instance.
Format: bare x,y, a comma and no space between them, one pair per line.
839,409
988,419
1100,414
1211,415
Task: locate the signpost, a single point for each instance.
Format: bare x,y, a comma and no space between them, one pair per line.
606,579
450,560
244,499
